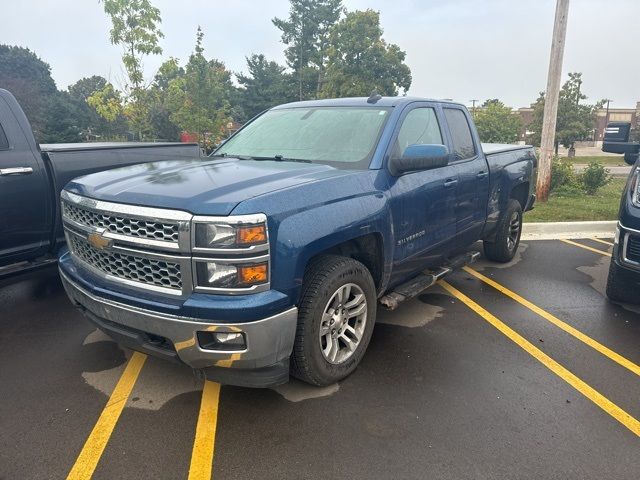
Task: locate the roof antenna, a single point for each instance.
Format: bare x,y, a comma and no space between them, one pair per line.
374,97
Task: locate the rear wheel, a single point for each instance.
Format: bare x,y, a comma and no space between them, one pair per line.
336,315
509,229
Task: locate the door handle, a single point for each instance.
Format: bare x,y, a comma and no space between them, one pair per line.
16,171
482,175
450,182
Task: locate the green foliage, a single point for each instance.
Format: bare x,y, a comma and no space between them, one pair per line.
562,175
360,60
94,126
135,27
594,177
107,101
575,120
565,182
199,99
25,75
265,86
307,34
496,123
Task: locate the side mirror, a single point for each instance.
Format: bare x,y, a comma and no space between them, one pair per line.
419,157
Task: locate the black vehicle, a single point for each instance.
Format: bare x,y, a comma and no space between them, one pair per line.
32,176
623,284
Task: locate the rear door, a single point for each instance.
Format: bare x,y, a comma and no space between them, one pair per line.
422,202
25,194
473,177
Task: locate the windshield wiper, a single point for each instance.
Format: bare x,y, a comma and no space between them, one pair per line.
277,158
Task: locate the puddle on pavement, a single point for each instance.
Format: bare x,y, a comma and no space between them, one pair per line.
297,391
598,274
159,381
482,263
413,313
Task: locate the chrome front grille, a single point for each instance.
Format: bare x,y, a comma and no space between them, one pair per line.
147,248
129,267
122,225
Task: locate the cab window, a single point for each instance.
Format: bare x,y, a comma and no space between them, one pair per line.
420,127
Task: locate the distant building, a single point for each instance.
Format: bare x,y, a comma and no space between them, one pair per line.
615,115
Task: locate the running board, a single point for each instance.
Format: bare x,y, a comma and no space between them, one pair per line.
425,280
21,268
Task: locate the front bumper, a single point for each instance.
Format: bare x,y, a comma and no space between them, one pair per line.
264,361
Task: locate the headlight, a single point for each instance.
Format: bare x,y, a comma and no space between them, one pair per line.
635,189
240,232
215,274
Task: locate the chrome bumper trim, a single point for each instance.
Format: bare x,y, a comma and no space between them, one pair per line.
269,340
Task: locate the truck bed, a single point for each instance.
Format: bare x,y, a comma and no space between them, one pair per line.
492,148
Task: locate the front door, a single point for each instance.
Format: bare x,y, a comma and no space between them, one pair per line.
422,202
25,203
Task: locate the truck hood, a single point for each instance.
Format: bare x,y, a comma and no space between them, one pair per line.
211,187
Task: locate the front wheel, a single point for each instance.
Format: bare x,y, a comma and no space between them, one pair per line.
336,315
509,229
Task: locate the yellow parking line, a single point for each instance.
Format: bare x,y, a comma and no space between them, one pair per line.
203,445
576,244
94,446
596,397
607,352
602,241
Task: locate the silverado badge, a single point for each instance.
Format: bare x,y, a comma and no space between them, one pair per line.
98,241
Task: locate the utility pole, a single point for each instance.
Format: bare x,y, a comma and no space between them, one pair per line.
551,100
473,107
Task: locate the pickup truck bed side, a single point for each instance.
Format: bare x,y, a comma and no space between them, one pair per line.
32,177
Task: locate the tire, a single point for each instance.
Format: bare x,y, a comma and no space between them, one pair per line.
313,360
508,233
619,288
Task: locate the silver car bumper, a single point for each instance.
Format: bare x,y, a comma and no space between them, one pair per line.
269,341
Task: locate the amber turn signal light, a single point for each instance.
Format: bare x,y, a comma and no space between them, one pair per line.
253,274
252,235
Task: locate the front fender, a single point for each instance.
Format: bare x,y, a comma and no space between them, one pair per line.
308,233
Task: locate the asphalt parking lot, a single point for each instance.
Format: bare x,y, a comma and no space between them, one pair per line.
517,371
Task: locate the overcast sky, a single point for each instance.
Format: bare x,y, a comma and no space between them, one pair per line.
459,49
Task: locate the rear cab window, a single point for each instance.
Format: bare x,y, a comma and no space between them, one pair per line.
463,146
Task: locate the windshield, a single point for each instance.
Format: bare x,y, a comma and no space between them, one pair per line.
344,137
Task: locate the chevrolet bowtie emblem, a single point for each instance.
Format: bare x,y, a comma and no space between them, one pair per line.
98,241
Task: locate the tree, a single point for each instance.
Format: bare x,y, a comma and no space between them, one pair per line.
29,79
306,34
265,85
496,123
199,99
361,61
159,113
92,124
135,27
575,120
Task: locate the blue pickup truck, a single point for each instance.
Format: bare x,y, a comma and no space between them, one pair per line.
270,257
623,283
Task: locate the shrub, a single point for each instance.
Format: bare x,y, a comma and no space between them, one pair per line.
561,174
594,177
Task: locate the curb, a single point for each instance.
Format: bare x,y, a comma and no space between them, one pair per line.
557,230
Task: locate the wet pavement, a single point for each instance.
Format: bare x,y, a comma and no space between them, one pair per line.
444,391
